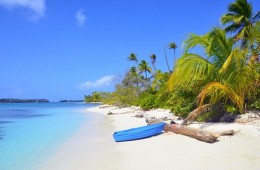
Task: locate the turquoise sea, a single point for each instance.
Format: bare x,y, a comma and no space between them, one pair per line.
30,132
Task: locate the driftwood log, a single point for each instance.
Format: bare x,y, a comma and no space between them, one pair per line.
199,134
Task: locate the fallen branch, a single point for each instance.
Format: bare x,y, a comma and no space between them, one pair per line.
199,134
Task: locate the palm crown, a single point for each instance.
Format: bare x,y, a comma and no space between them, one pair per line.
240,20
222,74
144,68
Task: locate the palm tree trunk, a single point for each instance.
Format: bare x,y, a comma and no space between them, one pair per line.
154,68
166,60
174,58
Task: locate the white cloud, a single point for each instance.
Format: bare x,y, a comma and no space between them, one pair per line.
81,17
104,81
35,7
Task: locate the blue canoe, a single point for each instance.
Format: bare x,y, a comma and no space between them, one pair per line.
139,133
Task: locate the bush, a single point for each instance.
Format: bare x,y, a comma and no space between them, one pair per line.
123,96
255,105
162,98
182,102
148,102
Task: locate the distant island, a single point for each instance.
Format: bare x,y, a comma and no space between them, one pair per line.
71,100
11,100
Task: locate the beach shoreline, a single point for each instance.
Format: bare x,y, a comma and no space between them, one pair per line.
165,151
169,150
86,147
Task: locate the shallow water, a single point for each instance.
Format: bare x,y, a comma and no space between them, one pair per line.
30,132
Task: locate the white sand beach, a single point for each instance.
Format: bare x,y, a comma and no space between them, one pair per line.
166,151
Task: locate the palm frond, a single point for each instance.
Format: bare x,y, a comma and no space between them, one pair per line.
236,73
191,67
233,28
256,17
231,62
227,18
245,32
240,19
241,7
195,40
132,57
256,31
241,79
221,45
216,91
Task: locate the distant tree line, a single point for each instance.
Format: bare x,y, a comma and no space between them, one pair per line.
11,100
71,100
96,97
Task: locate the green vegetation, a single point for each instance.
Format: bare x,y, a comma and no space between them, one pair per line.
225,76
96,97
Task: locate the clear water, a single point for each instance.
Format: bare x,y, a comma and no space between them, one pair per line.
30,132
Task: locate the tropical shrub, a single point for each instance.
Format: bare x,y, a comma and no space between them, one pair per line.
182,102
123,96
148,102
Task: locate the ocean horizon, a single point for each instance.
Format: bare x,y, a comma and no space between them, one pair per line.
30,132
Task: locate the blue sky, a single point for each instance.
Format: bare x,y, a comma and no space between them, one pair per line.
68,48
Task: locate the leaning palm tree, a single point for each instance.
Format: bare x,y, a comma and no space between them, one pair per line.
144,68
153,61
173,46
222,76
240,20
132,57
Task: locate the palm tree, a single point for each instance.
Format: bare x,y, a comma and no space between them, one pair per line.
223,76
153,61
132,57
173,46
144,68
240,20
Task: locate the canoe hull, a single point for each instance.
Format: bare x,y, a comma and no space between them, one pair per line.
139,133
